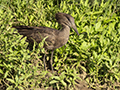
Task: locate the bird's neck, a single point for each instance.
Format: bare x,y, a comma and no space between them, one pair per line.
65,31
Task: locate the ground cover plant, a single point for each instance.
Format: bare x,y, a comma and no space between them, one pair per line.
93,58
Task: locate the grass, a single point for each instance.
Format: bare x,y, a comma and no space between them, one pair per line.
93,57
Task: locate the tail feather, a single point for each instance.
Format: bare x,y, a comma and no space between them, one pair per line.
23,30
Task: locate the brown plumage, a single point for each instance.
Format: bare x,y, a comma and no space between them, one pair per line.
55,38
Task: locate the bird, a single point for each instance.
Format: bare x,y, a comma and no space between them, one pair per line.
54,38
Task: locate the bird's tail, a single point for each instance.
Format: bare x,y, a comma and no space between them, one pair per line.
23,30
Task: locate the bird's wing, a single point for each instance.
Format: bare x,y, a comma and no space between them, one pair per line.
27,30
38,34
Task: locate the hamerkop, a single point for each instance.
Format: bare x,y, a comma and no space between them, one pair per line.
55,38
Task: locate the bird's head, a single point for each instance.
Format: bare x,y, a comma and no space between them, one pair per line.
66,19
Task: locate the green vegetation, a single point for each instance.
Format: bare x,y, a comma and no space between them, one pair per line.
93,57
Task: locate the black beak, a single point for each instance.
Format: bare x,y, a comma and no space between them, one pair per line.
75,29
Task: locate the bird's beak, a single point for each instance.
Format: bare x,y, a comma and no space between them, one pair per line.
75,29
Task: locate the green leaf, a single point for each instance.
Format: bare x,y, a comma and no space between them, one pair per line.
11,80
10,88
20,87
97,25
1,71
16,78
63,83
53,81
56,77
6,74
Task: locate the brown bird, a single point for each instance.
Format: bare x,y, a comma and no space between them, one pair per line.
55,38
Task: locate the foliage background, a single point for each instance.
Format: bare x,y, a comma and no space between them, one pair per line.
93,57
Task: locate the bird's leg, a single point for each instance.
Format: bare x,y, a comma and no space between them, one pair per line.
52,60
44,61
